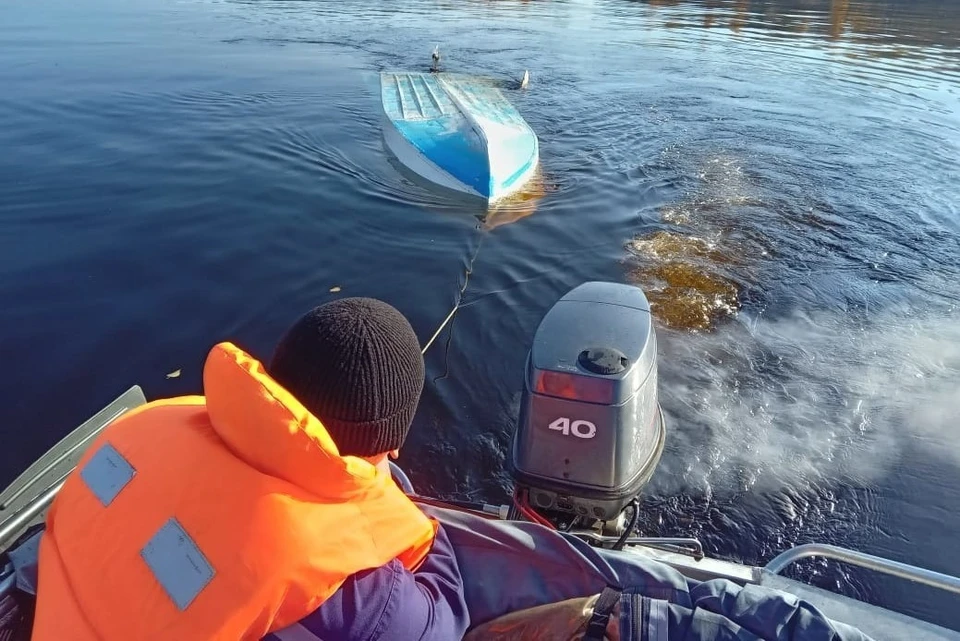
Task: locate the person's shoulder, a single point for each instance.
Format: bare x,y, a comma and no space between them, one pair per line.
391,603
369,591
358,609
380,580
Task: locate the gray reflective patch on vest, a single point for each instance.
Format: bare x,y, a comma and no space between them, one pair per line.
106,473
177,563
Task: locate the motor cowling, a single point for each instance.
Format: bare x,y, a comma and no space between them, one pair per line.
590,430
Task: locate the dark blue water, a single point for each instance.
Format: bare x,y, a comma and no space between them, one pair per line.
780,176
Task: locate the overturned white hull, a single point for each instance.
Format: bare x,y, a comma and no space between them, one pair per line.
459,133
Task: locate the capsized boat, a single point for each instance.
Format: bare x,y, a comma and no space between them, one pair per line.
589,396
458,132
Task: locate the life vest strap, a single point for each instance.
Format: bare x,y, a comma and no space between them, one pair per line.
597,626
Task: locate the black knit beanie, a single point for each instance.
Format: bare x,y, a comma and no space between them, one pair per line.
355,364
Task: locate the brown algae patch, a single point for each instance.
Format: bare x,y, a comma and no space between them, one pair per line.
664,245
684,295
679,274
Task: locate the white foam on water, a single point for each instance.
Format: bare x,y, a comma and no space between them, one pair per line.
780,402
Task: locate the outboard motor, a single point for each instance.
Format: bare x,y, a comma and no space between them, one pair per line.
591,431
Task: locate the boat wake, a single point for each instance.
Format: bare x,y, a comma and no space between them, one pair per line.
797,378
798,419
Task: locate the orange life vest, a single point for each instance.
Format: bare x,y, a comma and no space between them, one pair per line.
223,517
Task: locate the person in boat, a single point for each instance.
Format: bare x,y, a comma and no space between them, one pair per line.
264,509
524,582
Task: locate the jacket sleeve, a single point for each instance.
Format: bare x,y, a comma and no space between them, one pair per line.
429,604
391,603
722,610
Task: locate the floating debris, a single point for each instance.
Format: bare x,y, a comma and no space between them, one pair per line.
335,289
174,374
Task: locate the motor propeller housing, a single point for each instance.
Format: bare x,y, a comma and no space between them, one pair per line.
590,430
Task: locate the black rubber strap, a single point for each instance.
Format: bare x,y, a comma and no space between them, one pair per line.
597,627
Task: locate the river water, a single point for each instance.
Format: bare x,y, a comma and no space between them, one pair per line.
779,175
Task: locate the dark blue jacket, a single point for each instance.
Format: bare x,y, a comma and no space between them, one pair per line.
392,604
511,566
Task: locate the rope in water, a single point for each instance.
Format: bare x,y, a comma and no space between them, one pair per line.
457,305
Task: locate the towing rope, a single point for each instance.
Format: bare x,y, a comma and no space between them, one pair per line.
457,305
